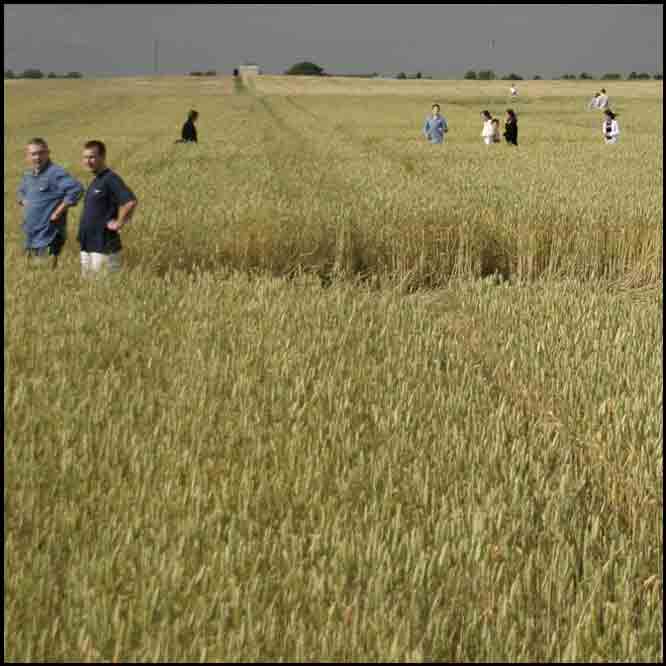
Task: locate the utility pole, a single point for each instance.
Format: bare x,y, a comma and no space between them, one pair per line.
156,56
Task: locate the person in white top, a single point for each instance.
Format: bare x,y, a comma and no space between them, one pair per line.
611,127
514,91
602,102
488,131
594,102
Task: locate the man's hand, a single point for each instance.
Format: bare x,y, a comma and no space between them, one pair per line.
124,215
56,216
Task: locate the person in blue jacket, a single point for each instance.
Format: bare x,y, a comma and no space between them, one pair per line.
46,192
435,126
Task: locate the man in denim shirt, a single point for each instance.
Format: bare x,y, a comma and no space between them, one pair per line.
46,192
435,126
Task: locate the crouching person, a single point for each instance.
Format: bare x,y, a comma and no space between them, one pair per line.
107,207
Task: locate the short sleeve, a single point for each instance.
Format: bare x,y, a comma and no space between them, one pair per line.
69,187
120,193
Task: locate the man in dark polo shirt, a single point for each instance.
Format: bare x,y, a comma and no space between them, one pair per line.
107,207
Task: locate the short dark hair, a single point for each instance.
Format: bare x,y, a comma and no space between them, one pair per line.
610,114
511,113
99,145
37,141
436,105
193,115
486,114
603,90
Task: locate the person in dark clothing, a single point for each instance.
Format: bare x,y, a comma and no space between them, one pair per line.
107,207
511,128
189,132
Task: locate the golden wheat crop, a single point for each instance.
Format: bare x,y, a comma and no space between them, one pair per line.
354,397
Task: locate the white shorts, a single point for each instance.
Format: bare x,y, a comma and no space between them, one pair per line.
612,140
96,262
488,140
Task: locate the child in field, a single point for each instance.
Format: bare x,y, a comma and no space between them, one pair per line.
611,127
488,131
496,132
511,128
435,126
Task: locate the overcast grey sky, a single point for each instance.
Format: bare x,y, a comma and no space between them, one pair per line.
441,40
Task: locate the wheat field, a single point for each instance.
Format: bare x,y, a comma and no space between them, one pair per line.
353,397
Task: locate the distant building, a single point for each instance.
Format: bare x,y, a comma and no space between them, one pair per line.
249,69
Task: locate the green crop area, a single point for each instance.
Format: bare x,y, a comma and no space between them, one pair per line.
353,397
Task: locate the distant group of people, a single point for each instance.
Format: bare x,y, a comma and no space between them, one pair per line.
436,127
491,128
611,128
599,100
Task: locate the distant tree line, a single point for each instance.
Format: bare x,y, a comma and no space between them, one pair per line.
612,76
311,69
489,75
38,74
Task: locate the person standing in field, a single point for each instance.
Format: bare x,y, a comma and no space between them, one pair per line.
514,91
435,126
46,192
496,130
611,127
594,102
488,130
603,102
107,207
511,128
189,132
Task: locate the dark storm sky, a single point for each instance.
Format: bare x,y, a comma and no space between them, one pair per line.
549,40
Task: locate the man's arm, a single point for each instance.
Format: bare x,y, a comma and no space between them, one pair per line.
125,212
21,193
71,190
125,199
